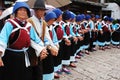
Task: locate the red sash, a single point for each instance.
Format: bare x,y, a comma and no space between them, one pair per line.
96,26
59,32
105,28
88,26
82,26
67,30
74,29
19,37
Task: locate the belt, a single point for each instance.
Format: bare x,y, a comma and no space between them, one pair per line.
27,61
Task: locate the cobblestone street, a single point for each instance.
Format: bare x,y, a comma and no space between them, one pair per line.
99,65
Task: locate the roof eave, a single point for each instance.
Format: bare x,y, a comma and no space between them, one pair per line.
90,3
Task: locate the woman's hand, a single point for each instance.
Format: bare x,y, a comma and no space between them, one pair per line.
1,62
53,51
43,54
67,42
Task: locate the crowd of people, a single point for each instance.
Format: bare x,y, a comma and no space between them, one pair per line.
43,45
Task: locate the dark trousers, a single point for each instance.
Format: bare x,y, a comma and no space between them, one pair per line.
116,36
48,64
37,71
66,50
58,59
14,67
91,44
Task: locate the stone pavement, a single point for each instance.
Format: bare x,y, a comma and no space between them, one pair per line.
99,65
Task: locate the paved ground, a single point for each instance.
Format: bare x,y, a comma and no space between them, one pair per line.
99,65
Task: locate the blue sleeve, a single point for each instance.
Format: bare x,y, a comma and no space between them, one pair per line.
34,37
5,33
99,27
116,26
91,25
46,41
46,37
71,31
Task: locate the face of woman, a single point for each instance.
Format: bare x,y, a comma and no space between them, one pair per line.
22,14
51,21
60,18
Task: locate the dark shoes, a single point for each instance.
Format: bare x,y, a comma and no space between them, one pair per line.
102,48
56,75
87,52
66,71
107,47
72,65
78,57
118,47
59,71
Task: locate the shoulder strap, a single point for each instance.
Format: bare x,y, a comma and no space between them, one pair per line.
104,24
30,20
18,26
43,29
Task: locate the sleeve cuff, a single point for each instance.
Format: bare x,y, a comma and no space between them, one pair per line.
37,47
2,50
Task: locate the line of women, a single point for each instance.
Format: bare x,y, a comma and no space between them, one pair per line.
58,38
80,34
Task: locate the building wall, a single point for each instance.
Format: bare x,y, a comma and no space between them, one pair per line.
93,0
114,8
103,1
